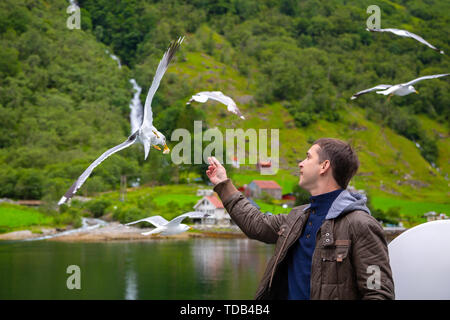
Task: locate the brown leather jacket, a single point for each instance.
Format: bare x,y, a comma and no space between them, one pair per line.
350,260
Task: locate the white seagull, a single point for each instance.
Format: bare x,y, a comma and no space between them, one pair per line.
147,134
407,34
172,227
401,89
218,96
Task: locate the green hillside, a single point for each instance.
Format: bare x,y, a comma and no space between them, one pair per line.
290,65
13,217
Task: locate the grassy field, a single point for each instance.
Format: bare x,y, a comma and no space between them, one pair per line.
14,217
162,195
184,196
284,178
414,208
172,200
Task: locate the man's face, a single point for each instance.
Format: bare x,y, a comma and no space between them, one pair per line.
310,168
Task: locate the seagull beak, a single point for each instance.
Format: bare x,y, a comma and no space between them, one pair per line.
156,147
417,92
166,149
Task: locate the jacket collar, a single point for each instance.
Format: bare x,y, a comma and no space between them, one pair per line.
345,202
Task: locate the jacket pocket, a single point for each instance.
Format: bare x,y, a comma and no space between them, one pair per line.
334,262
342,249
337,253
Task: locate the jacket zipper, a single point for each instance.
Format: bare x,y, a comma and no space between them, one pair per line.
281,250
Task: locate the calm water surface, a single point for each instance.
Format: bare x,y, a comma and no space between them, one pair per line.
157,269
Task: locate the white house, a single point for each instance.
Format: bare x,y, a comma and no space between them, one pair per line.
214,207
432,216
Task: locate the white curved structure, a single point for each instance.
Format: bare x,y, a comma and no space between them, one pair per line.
420,262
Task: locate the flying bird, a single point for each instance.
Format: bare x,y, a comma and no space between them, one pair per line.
407,34
401,89
218,96
172,227
147,134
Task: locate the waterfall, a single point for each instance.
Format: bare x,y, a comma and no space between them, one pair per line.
136,113
114,57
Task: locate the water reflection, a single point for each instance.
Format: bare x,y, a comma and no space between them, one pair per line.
240,261
131,285
159,269
131,291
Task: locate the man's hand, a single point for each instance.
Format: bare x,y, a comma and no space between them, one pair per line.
216,172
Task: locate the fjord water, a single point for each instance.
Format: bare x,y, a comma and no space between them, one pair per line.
198,268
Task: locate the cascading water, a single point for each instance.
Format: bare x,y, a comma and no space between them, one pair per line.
114,57
136,107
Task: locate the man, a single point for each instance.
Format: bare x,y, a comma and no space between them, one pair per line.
331,248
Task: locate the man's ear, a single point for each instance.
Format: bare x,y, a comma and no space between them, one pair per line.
324,166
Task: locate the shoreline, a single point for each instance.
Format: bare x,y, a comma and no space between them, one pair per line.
113,232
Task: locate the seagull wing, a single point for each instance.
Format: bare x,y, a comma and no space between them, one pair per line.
192,214
162,67
398,32
390,89
405,33
157,221
378,87
81,179
434,76
422,40
220,97
199,97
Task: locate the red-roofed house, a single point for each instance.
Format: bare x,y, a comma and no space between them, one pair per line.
264,164
213,206
257,187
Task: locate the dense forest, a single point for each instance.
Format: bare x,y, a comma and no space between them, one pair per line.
63,100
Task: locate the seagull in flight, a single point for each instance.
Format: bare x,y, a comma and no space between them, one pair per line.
169,228
147,134
401,89
218,96
407,34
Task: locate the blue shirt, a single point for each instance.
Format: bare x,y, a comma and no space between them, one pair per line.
299,263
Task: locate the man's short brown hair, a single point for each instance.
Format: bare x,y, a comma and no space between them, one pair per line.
343,159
